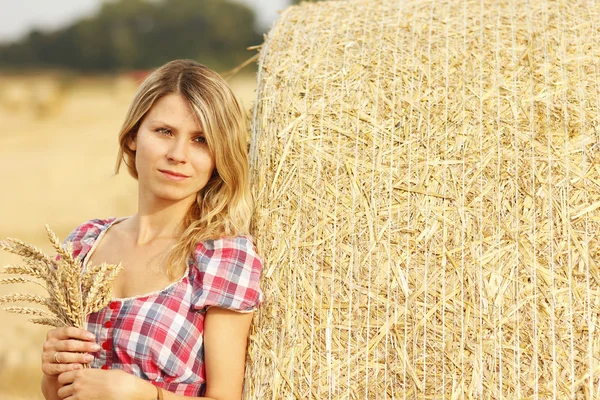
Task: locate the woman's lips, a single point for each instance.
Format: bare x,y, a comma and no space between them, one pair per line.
173,176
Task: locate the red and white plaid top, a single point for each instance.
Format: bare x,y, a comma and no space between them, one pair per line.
159,336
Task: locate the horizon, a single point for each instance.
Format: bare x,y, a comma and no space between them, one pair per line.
20,18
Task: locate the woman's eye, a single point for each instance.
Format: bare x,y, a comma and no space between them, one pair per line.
200,139
163,131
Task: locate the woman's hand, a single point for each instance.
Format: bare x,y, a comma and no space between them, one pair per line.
66,349
99,384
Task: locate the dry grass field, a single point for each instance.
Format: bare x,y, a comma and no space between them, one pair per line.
57,155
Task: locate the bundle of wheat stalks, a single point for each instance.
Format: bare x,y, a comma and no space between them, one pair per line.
73,292
427,182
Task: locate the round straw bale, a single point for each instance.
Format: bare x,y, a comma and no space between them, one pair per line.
427,183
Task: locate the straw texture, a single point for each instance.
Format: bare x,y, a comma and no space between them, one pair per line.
427,180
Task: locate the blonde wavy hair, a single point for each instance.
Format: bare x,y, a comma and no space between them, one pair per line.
224,206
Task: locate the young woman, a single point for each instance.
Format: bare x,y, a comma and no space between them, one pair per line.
178,323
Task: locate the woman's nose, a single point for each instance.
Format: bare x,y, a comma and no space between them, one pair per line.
177,151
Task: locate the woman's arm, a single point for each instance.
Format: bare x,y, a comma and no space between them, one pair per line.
225,342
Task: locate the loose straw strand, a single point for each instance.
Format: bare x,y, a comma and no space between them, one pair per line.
566,195
479,377
517,216
550,205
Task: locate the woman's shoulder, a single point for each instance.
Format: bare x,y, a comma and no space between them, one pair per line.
238,249
226,242
226,273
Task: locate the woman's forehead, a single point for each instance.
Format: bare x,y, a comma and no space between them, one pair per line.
176,111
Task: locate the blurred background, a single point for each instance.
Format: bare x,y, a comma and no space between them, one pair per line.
68,70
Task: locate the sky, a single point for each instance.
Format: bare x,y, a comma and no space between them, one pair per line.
20,16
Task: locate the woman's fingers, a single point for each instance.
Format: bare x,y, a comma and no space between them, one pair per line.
65,379
66,349
68,385
51,369
75,346
65,390
66,357
69,332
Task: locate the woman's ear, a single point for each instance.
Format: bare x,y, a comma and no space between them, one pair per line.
131,136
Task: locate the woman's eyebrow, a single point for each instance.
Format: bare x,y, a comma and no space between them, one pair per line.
171,127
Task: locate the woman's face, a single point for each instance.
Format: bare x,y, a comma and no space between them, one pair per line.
172,158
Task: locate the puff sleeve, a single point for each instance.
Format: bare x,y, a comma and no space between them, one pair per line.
82,237
226,274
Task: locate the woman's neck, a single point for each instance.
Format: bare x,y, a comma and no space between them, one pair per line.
158,221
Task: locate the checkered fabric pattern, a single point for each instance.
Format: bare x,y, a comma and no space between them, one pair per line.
159,336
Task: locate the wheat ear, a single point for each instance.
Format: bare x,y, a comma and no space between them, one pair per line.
73,293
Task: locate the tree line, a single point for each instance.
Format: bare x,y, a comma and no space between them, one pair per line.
141,34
